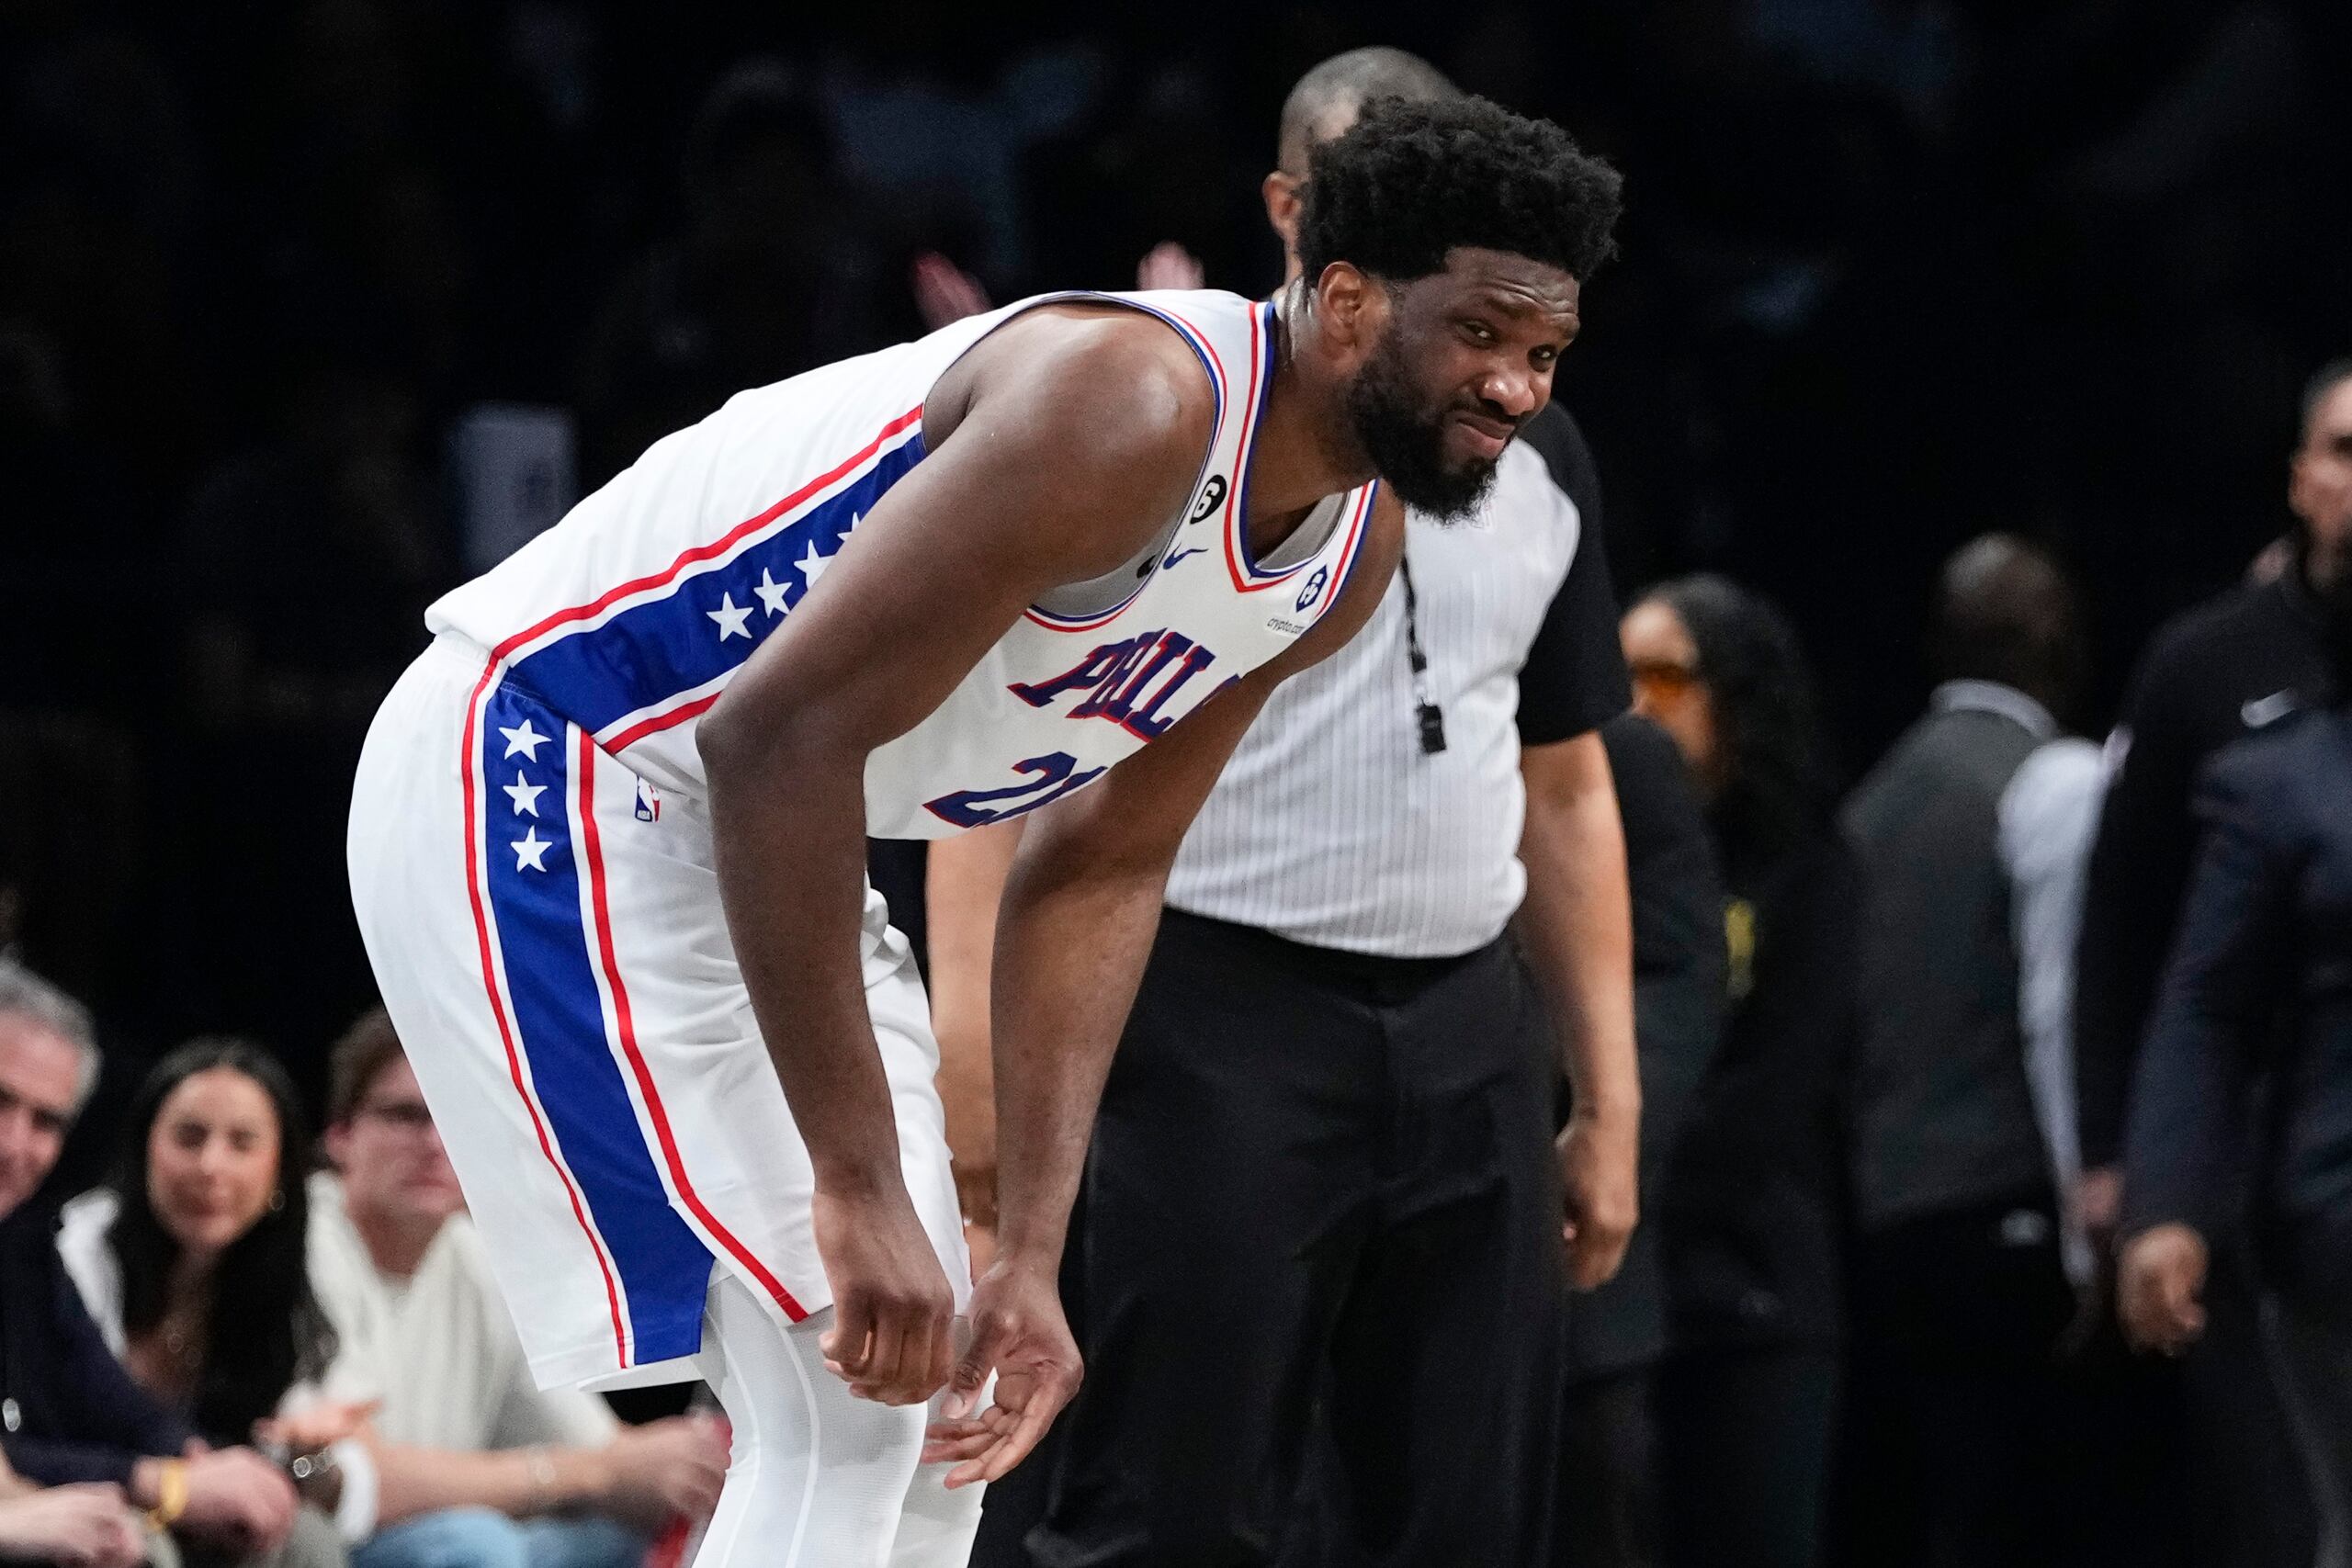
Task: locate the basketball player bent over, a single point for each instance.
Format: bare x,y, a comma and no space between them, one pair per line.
607,839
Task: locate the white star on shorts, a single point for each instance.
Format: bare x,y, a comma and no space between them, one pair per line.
530,850
525,793
523,738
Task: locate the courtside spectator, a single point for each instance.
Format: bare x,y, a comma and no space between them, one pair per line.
190,1263
68,1411
1752,1213
480,1467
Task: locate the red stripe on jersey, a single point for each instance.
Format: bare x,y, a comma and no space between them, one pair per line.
718,547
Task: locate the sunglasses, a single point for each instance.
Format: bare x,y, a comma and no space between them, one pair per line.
1663,678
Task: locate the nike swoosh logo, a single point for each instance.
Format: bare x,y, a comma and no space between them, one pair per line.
1175,556
2267,710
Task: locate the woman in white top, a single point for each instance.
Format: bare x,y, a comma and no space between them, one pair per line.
191,1261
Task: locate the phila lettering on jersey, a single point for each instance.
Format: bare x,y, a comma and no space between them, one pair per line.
631,615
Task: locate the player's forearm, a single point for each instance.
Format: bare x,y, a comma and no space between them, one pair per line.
789,833
1070,951
1576,928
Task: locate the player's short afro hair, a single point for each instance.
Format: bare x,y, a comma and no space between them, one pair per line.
1411,181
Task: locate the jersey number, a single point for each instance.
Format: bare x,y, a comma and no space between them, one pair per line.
978,808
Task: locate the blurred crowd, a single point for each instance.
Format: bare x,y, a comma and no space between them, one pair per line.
2013,1206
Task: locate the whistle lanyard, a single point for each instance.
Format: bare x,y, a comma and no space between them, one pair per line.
1426,715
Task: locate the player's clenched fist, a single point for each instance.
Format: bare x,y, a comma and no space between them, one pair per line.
893,1337
1018,1332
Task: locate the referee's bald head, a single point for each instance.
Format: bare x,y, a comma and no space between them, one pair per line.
1326,99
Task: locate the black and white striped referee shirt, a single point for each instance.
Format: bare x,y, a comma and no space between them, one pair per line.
1331,826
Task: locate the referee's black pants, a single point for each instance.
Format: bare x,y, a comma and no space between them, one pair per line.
1321,1216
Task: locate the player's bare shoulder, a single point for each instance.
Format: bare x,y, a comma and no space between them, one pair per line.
1112,400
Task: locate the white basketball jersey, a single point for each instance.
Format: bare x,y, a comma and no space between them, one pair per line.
631,616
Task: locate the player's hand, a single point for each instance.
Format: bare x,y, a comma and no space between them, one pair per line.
1169,265
77,1526
2158,1280
1600,1186
1018,1332
945,293
892,1337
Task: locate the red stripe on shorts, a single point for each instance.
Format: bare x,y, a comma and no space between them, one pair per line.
593,855
506,1034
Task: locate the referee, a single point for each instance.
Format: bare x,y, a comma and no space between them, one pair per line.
1324,1191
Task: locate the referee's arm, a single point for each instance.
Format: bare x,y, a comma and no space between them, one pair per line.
1575,923
1576,928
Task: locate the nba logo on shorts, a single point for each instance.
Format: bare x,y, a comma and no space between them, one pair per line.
1313,588
649,805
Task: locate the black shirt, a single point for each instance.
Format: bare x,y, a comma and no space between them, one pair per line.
2233,665
1574,680
1752,1211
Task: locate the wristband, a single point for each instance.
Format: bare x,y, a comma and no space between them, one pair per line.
171,1494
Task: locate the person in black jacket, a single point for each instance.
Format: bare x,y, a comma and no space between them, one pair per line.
1617,1334
2260,984
68,1411
2227,669
2230,667
1750,1214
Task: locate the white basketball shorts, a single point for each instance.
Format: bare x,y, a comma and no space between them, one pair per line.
547,931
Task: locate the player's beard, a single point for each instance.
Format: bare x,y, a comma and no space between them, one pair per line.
1406,440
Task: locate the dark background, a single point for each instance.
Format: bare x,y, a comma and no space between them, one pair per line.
1893,272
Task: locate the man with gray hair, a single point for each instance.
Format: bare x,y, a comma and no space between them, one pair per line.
69,1414
49,1065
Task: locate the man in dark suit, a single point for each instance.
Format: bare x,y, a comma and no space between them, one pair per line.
68,1411
2227,669
2260,987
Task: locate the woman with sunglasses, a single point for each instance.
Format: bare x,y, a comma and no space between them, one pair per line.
1751,1204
